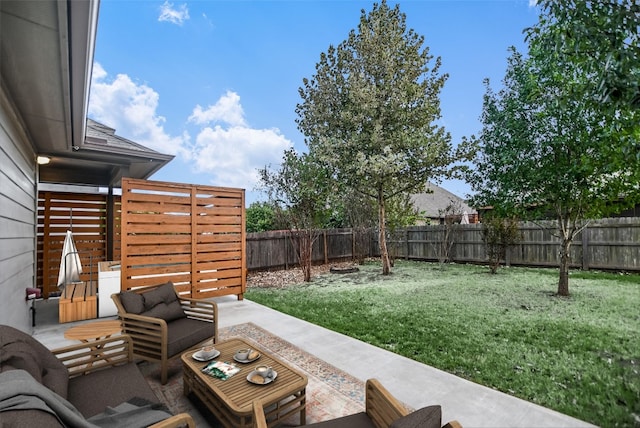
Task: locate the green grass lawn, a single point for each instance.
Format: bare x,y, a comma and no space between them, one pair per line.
578,355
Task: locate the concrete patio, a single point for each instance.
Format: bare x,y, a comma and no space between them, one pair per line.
414,383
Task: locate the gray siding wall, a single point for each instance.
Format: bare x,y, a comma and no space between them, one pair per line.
18,199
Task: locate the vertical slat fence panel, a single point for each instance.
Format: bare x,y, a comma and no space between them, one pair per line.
608,244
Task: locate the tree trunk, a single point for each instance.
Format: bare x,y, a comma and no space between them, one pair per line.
306,249
563,281
382,237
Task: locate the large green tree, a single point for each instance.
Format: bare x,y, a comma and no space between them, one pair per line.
370,112
602,39
560,138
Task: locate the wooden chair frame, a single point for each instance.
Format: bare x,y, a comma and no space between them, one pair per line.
150,335
380,405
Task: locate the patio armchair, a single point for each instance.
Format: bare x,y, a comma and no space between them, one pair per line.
382,410
163,324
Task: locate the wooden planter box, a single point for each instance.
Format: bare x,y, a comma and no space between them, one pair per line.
78,302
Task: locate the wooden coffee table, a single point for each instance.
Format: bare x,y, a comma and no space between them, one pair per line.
231,400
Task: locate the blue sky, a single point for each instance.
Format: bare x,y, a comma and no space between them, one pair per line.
215,83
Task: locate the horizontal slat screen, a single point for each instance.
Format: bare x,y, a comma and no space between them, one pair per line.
86,216
189,234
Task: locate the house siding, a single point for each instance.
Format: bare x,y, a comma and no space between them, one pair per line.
18,199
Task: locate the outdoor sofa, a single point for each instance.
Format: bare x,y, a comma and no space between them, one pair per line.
162,324
382,410
84,385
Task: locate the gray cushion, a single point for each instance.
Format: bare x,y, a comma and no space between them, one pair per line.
20,351
358,420
29,419
162,302
427,417
167,312
133,302
164,293
92,393
185,333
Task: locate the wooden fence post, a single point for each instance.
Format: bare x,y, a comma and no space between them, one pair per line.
585,248
285,252
326,251
406,244
353,244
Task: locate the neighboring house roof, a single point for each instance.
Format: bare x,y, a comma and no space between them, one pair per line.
432,204
105,137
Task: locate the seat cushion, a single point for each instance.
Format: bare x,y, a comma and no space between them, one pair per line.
185,333
426,417
93,392
19,350
29,419
358,420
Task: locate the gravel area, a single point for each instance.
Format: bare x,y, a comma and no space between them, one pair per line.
292,276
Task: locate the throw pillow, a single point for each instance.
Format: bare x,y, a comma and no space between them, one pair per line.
162,302
133,302
166,312
164,293
19,350
427,417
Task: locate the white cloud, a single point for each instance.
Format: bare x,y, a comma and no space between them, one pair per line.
226,110
230,151
173,15
234,154
207,20
130,108
533,3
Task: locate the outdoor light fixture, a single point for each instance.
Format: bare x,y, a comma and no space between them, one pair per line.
43,160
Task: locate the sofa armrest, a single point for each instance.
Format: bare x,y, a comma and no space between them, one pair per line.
259,419
382,407
149,335
152,323
179,420
452,424
202,310
85,358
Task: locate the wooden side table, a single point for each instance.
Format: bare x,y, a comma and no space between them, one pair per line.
93,332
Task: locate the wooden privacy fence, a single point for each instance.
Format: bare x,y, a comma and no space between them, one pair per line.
276,249
89,217
607,244
191,235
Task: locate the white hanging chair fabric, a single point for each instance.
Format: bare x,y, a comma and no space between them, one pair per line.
465,218
70,266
